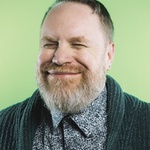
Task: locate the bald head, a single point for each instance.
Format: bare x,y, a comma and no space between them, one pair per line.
97,8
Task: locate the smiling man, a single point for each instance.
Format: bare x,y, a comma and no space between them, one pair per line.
76,107
69,44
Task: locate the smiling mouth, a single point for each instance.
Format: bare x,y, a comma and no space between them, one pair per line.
59,74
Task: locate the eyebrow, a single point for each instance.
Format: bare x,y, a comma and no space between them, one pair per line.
71,40
77,39
50,39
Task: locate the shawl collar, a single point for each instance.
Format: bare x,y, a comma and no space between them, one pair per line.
115,111
29,121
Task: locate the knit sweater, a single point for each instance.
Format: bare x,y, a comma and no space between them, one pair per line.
128,121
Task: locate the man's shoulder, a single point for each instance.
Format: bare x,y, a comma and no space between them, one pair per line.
136,103
18,109
118,97
11,111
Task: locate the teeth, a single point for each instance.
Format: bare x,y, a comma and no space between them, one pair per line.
50,71
61,72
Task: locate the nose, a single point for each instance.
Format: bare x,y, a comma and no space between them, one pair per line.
63,55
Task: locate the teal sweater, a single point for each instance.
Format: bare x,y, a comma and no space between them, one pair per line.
128,122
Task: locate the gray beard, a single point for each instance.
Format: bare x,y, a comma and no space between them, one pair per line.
71,96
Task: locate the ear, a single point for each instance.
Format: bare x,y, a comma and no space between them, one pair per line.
109,55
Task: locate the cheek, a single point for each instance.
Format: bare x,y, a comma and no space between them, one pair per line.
92,62
44,57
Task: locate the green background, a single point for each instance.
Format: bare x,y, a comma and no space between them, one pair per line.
19,45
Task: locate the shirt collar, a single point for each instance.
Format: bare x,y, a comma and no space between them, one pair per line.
57,116
91,120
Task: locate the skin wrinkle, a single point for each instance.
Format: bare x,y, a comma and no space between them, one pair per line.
74,39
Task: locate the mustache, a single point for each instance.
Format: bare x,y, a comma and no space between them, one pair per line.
62,68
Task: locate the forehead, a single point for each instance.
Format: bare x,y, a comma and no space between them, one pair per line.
71,8
71,19
72,11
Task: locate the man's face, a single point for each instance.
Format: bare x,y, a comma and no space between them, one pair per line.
73,58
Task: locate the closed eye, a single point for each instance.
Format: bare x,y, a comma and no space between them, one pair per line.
78,45
51,46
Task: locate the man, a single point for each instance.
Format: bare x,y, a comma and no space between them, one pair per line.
76,106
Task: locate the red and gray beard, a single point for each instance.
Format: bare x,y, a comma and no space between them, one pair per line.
69,95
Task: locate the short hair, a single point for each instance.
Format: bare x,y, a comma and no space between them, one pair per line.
97,8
